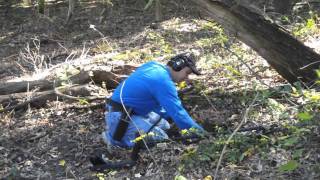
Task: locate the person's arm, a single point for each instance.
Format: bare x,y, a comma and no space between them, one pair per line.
167,96
162,112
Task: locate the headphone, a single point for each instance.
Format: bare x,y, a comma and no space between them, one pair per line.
178,62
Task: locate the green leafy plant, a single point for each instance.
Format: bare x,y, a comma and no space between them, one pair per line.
308,27
163,46
180,177
289,166
65,73
103,47
297,153
83,101
240,148
219,37
304,116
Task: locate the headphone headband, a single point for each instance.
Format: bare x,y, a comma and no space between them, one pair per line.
178,62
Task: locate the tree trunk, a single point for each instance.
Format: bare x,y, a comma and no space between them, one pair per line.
72,4
107,9
41,4
158,14
289,57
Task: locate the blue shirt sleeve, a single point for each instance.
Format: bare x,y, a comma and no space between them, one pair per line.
162,112
167,95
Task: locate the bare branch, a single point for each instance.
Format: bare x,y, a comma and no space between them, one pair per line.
244,119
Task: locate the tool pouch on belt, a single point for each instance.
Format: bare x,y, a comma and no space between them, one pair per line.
124,121
122,125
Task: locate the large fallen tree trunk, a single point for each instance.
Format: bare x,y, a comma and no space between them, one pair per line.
85,93
289,57
66,81
111,74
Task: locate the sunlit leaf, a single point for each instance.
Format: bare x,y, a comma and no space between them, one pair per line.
182,85
148,4
275,104
297,153
305,116
184,131
142,136
83,101
207,178
101,176
180,177
291,141
62,162
289,166
311,23
318,73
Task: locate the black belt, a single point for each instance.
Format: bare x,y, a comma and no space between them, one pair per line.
115,106
124,119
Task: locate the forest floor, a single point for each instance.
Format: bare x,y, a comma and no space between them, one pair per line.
55,141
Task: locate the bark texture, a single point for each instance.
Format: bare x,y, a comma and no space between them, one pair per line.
111,74
83,83
289,57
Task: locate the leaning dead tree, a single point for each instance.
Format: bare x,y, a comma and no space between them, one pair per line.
289,57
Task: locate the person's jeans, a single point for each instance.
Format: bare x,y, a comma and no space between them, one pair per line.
137,123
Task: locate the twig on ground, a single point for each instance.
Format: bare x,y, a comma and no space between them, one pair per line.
71,172
306,66
204,94
194,109
244,119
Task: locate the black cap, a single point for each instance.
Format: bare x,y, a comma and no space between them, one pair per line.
189,60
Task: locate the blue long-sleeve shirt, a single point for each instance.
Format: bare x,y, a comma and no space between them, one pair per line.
150,88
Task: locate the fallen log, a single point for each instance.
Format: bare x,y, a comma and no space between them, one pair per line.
111,74
39,99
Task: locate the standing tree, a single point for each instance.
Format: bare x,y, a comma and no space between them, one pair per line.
72,4
289,57
158,14
41,4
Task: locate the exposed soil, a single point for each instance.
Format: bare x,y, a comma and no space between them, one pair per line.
54,142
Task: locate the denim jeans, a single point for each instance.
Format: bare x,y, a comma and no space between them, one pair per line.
137,123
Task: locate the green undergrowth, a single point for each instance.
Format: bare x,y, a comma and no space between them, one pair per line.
309,26
290,116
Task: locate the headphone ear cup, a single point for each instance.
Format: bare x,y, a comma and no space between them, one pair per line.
178,64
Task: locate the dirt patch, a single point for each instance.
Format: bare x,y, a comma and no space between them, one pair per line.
55,141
